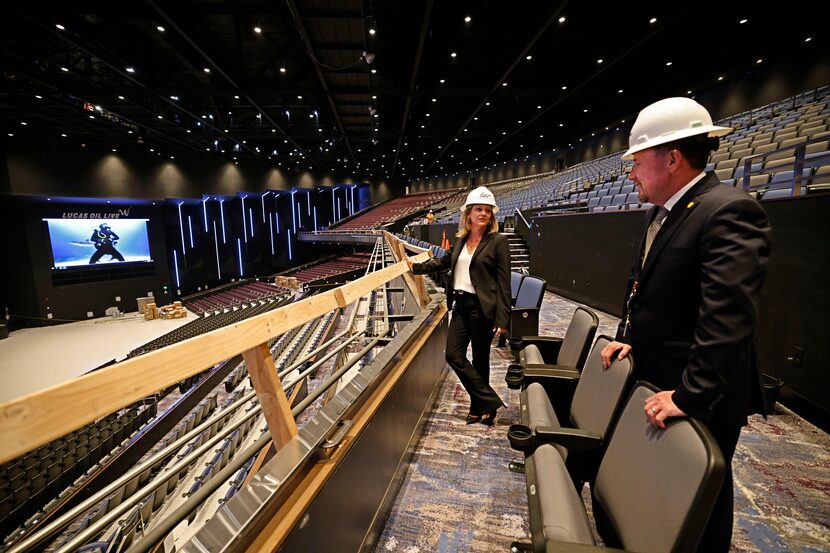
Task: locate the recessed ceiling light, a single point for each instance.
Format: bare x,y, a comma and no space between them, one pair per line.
174,98
759,60
38,96
24,123
160,28
435,99
668,63
282,69
688,92
653,20
742,21
808,39
372,31
374,71
120,97
599,60
620,91
60,27
257,29
720,78
564,88
130,69
561,124
486,103
468,19
528,58
562,19
64,69
63,134
114,150
504,83
442,80
453,55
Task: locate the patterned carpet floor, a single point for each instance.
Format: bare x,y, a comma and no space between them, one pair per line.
458,495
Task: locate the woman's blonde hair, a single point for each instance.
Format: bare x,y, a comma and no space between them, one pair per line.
464,222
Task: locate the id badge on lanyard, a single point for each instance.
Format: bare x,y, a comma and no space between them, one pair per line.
628,302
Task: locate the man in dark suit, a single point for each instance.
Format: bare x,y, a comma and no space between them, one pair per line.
691,312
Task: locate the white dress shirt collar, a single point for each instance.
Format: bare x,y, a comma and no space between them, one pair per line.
679,194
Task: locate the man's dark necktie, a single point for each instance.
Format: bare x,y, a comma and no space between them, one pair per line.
653,229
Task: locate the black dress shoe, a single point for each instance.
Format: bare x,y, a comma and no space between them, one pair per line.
489,418
472,419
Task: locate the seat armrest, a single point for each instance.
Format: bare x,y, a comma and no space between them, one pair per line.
540,373
548,346
573,439
552,546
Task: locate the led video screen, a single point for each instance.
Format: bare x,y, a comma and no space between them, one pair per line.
87,242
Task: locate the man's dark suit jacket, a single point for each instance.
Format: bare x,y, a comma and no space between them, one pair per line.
489,273
694,314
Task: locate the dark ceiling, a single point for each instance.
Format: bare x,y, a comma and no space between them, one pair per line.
440,95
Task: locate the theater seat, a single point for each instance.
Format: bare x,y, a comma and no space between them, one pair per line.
555,362
524,317
515,284
579,439
649,508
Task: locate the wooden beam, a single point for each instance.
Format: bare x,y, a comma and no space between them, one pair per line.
271,396
415,283
36,419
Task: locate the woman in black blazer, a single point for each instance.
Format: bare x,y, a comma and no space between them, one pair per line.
479,294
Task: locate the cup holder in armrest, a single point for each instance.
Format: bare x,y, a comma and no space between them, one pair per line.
521,437
514,377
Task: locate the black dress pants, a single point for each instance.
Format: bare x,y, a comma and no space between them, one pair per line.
468,324
717,537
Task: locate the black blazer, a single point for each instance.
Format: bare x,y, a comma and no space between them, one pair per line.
489,273
693,316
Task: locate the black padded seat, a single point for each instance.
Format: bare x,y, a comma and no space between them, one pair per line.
595,406
561,356
553,516
638,472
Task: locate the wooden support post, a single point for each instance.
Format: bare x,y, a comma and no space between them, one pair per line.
271,396
415,283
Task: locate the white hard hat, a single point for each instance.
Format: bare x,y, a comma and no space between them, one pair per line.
481,196
669,120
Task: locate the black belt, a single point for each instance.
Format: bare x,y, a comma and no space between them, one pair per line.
463,293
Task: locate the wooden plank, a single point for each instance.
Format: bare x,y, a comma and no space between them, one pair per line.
33,420
351,291
415,283
393,241
271,396
311,481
